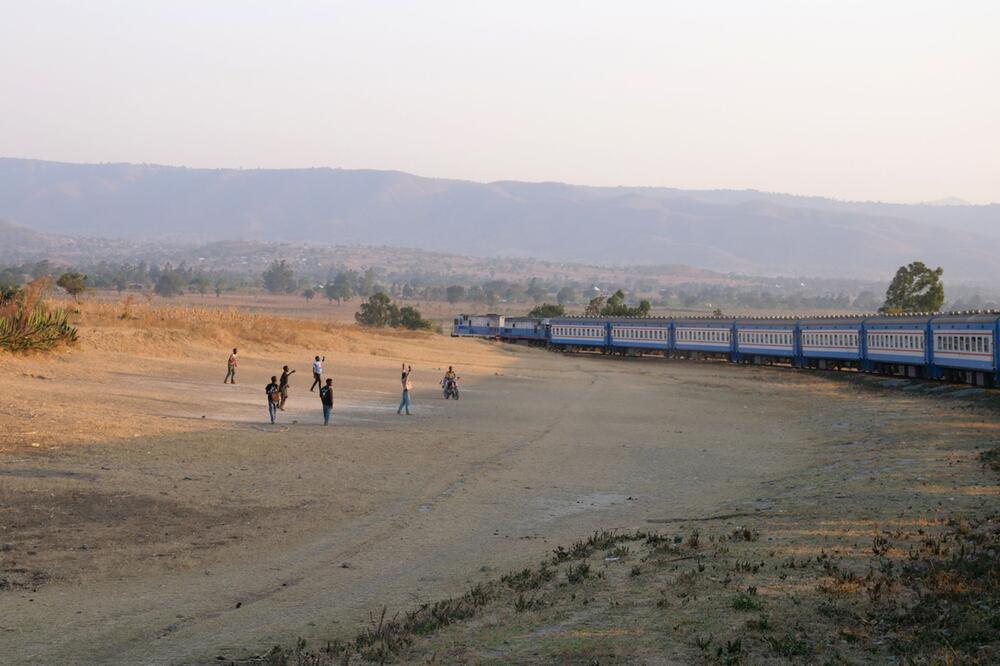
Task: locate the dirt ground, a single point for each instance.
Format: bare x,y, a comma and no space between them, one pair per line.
149,515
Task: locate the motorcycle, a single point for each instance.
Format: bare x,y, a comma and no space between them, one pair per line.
450,388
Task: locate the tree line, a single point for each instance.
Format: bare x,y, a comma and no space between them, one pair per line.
915,287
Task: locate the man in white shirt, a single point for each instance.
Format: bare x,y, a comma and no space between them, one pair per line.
404,379
317,373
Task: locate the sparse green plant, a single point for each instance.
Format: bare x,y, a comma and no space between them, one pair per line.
747,600
762,623
880,545
28,325
523,604
577,574
788,646
528,579
744,534
731,653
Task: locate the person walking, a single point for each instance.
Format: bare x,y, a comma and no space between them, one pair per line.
283,386
273,398
326,397
407,386
317,373
231,368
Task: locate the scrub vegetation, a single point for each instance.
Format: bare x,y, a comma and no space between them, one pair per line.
28,324
927,595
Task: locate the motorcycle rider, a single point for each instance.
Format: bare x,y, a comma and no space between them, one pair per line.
450,381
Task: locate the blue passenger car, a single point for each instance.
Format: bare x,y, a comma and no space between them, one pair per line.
897,345
831,342
765,339
704,335
590,333
964,348
632,334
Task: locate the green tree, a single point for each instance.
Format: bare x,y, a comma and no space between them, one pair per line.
200,284
169,284
535,291
367,286
455,293
565,295
73,283
594,307
915,288
378,312
340,289
279,278
616,306
547,310
410,317
309,294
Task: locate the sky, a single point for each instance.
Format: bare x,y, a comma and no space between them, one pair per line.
874,100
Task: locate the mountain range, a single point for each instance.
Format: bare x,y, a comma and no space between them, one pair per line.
724,230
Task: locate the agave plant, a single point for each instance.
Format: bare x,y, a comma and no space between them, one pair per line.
27,324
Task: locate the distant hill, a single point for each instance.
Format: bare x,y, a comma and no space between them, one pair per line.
743,231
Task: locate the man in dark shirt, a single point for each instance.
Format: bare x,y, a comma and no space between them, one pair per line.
273,398
283,386
326,397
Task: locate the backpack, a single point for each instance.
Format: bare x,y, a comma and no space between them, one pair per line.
273,395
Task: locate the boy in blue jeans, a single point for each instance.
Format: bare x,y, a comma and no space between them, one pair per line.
326,397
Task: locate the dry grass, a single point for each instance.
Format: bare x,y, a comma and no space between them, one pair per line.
162,324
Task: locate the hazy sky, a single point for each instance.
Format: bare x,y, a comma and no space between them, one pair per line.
856,100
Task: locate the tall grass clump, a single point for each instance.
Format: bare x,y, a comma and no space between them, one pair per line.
27,324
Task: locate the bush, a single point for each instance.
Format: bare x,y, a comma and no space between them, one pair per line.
547,310
379,311
27,324
410,317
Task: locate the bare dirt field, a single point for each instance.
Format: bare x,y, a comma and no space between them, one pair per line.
149,515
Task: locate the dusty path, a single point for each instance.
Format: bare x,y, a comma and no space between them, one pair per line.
223,536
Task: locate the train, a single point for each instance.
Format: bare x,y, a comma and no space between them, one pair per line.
957,347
